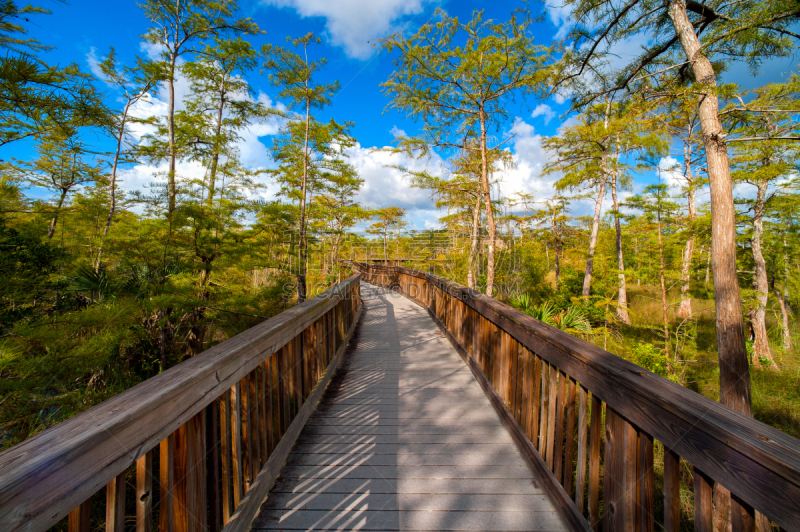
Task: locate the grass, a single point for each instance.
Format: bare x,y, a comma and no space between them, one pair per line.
775,391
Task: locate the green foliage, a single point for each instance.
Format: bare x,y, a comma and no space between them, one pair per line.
29,282
650,358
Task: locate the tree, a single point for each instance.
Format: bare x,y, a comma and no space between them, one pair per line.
390,218
760,162
554,215
682,121
339,211
37,99
589,155
311,157
178,26
748,30
458,78
655,204
295,76
61,168
134,83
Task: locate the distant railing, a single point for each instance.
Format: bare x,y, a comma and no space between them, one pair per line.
206,438
605,434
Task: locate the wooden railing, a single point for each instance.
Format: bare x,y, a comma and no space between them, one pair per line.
614,442
202,442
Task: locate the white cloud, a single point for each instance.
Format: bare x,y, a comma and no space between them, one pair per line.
385,187
529,158
545,111
671,171
430,224
94,62
151,50
352,24
561,17
397,132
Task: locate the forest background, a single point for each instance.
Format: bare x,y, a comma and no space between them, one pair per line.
153,205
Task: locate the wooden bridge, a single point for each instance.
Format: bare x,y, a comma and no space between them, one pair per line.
399,400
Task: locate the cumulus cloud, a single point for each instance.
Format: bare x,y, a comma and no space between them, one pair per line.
545,111
529,160
352,24
397,132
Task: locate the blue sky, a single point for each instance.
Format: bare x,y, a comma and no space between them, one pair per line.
83,31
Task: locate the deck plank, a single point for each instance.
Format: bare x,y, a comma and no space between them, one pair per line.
405,439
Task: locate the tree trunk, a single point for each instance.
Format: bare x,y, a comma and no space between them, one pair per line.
786,276
302,254
787,337
54,220
472,270
212,174
761,349
172,189
113,191
663,284
487,200
734,371
685,309
622,297
587,277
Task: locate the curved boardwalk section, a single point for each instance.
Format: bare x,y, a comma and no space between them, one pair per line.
405,439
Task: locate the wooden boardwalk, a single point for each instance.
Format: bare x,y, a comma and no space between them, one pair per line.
405,439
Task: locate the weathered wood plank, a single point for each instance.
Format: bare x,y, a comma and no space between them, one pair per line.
115,504
583,431
703,511
79,518
166,502
672,491
595,435
558,448
144,493
569,453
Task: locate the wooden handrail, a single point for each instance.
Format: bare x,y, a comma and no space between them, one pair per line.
216,422
539,372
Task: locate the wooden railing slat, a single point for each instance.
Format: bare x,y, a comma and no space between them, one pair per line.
115,504
545,408
552,406
742,516
181,467
558,448
166,503
672,491
212,467
595,434
534,414
144,493
236,444
703,510
646,482
583,431
226,468
569,453
79,518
